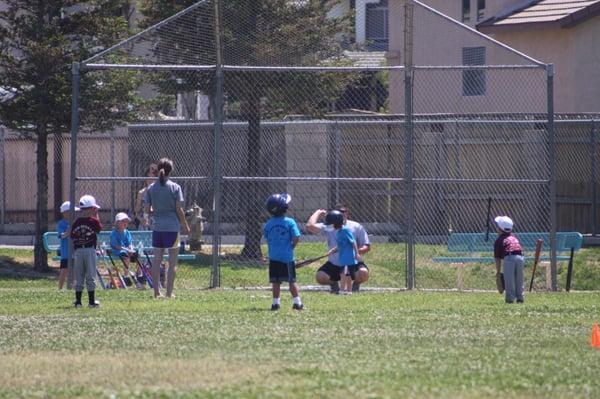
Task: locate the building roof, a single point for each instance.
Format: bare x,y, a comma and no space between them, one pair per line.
542,14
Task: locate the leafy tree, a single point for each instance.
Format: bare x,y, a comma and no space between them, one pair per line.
261,32
39,41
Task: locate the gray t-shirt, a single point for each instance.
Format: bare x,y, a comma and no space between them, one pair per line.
163,200
358,231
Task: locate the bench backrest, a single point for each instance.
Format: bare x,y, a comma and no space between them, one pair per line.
475,242
52,242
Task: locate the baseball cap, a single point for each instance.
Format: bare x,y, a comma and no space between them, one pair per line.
504,222
87,201
121,216
65,207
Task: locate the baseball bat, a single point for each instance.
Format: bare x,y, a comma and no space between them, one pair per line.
116,269
570,270
160,284
536,259
487,228
308,261
146,273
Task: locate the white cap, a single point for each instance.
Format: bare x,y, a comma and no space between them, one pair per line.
122,216
66,206
87,201
504,222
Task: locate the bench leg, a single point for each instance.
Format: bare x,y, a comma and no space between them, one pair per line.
548,276
460,273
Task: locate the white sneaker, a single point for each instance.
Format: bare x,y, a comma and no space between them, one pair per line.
94,305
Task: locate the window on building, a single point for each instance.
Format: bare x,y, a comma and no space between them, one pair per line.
474,79
480,9
377,26
466,10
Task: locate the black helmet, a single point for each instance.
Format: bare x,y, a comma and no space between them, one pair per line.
277,204
334,217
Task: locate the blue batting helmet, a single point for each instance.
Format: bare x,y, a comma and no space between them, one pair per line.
334,217
277,204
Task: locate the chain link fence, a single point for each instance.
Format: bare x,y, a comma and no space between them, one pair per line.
259,97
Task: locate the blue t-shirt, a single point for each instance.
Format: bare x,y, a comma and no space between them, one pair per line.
279,232
122,239
164,200
63,226
345,246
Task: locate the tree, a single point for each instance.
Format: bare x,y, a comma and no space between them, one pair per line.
40,39
264,32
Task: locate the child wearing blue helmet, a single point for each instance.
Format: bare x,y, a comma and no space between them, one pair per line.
282,235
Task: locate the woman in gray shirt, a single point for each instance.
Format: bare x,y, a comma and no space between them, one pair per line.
165,199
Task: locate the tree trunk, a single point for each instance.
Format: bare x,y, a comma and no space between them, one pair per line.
58,174
40,259
253,192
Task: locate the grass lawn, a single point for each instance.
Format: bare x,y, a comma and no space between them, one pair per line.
226,343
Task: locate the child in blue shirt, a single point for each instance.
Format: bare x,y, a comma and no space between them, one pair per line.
282,235
63,234
347,249
121,244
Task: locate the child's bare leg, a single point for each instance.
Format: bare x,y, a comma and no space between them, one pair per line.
62,275
276,290
171,271
158,257
294,290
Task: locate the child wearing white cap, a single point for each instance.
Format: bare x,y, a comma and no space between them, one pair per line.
85,236
63,234
121,244
509,254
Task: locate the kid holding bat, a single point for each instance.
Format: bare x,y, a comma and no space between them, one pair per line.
282,235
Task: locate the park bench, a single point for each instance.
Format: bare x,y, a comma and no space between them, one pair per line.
474,248
52,243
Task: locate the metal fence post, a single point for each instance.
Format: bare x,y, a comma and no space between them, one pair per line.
76,79
338,149
218,153
552,177
594,176
112,174
408,121
2,183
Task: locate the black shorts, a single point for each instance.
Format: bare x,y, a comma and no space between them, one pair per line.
64,263
281,271
334,271
352,269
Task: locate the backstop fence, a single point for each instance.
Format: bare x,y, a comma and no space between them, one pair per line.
435,136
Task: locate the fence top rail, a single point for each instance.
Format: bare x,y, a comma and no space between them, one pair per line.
151,67
469,67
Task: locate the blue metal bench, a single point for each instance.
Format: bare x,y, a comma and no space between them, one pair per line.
469,244
52,242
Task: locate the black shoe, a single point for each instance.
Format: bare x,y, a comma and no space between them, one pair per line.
77,304
520,300
94,305
335,287
275,307
355,286
298,307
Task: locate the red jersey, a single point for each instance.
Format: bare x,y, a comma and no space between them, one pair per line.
507,244
84,232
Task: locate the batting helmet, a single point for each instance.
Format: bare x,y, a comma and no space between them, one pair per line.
334,217
277,204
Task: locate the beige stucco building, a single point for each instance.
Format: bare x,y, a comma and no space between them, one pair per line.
565,33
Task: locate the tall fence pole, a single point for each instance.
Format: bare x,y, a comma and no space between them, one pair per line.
2,182
218,152
552,177
594,176
112,174
76,79
409,164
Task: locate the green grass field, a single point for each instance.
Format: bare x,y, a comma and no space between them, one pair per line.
226,343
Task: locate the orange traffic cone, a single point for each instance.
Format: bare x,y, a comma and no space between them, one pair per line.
595,336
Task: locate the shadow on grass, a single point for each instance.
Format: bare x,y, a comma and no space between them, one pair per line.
11,269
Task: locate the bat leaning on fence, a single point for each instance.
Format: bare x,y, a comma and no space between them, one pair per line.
536,260
309,261
116,269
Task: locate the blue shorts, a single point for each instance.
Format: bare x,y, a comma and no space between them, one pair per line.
165,239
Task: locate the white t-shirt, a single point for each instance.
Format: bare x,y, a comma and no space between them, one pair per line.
358,231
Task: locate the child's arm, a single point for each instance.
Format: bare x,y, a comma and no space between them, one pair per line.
295,241
332,251
357,254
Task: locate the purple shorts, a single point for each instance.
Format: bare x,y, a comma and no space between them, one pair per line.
165,239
